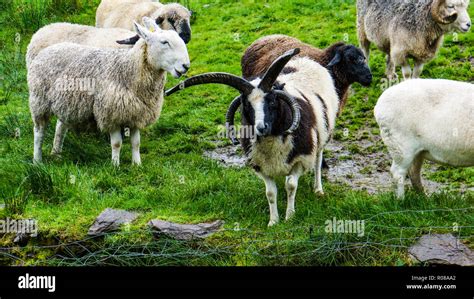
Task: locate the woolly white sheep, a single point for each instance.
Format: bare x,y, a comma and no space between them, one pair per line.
126,90
428,119
122,14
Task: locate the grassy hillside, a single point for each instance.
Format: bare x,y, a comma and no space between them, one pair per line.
177,183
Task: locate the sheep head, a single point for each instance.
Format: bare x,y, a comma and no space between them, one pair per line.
165,49
263,102
175,17
451,12
349,64
169,17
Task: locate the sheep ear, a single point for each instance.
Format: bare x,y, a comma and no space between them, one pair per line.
150,24
337,58
142,31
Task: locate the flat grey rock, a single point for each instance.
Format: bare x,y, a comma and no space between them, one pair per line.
443,249
111,220
185,231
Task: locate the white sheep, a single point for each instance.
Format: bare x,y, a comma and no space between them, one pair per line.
125,87
122,14
428,119
78,34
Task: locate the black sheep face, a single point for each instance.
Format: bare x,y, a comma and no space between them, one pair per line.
351,61
265,113
182,27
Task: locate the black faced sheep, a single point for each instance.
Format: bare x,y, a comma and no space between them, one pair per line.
292,115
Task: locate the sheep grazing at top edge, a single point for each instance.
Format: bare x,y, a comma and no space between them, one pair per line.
346,63
291,116
127,89
409,29
426,119
78,34
122,14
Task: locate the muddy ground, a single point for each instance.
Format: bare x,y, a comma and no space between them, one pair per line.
365,169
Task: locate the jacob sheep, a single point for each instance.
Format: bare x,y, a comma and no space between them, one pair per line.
292,115
346,63
127,90
122,14
428,119
409,29
78,34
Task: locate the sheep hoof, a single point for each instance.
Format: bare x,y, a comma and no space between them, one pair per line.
319,193
272,222
289,214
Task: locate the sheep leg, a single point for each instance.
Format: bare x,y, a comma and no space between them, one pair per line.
406,70
271,193
399,171
135,140
415,173
39,128
390,69
116,143
291,185
364,43
318,185
398,57
417,69
61,131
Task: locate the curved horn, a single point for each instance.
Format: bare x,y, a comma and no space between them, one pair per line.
129,41
238,83
274,70
295,110
229,119
436,13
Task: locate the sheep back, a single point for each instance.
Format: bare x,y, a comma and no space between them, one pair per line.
78,34
431,115
122,13
260,55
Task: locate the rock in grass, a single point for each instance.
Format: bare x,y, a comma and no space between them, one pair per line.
443,249
185,231
110,220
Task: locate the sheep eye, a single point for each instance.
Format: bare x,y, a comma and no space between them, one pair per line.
165,42
451,6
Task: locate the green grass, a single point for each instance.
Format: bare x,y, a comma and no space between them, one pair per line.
176,183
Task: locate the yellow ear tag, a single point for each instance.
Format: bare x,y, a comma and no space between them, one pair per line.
151,28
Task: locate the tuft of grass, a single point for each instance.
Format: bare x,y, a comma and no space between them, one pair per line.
15,205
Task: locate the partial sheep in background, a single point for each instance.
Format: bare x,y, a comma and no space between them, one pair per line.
346,63
124,90
122,14
78,34
292,110
409,29
426,119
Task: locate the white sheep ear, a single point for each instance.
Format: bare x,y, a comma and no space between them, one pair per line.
142,31
150,24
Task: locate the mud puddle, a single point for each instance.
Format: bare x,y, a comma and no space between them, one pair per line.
367,170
